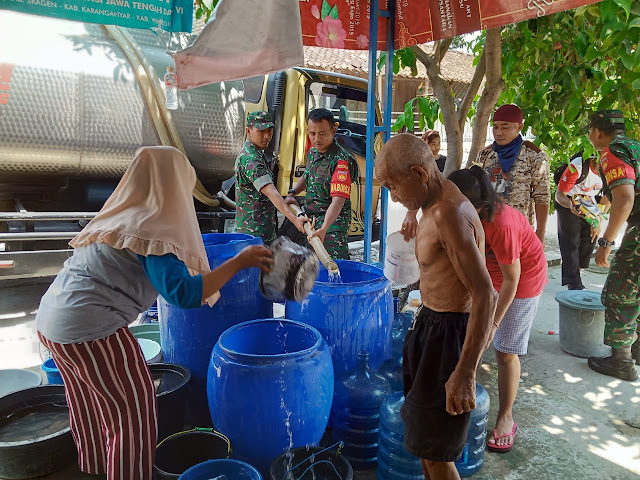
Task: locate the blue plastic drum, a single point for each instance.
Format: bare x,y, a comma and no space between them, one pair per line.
353,315
188,335
270,388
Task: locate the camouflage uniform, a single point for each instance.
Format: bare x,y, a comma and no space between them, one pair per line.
318,176
526,184
255,214
621,295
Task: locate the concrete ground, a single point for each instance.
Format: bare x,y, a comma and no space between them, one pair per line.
573,422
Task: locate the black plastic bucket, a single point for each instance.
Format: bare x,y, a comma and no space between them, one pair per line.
35,437
171,382
181,451
311,463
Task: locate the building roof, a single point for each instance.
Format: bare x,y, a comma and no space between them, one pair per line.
456,66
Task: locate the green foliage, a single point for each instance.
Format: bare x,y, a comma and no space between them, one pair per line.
561,68
428,111
204,8
403,58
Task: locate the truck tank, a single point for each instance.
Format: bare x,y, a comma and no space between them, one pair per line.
71,105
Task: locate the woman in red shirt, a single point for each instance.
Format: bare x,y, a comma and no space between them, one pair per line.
518,268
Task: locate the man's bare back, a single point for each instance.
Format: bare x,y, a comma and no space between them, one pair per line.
440,286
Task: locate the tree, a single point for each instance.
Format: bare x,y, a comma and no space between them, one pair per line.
561,68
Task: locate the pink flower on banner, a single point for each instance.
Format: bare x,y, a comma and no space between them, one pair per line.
330,33
315,11
362,41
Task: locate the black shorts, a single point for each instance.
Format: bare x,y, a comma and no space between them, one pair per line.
430,354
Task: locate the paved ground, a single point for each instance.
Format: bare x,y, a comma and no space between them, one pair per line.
573,423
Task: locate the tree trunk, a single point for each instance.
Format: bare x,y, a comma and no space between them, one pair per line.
492,56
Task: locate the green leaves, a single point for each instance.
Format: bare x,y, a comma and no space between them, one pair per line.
587,59
324,11
408,114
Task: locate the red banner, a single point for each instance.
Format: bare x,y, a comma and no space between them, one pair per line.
345,23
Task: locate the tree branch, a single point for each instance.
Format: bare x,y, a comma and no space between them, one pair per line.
491,93
474,86
444,48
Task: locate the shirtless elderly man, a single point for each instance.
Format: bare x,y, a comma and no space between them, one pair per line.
444,345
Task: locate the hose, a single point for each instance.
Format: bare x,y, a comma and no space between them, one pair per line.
316,243
226,200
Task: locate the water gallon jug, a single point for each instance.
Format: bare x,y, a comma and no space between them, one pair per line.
352,315
392,370
472,457
394,462
356,413
581,323
270,388
189,335
295,269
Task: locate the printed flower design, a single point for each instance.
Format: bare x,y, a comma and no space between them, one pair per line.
315,11
362,41
330,33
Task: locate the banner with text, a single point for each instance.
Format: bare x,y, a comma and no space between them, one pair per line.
345,23
169,15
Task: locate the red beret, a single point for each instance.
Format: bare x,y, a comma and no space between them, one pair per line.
508,113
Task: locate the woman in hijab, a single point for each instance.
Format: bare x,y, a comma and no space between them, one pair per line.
145,241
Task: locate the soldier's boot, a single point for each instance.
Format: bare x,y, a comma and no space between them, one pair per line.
635,350
619,364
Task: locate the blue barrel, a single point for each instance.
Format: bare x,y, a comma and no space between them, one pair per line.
394,462
270,388
53,374
355,415
228,469
472,457
354,315
188,335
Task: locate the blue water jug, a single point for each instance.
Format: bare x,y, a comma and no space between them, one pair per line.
189,335
392,370
472,457
355,314
394,462
356,413
270,388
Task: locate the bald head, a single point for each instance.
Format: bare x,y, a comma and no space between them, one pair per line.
402,152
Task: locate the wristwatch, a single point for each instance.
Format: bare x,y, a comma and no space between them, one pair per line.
292,191
604,243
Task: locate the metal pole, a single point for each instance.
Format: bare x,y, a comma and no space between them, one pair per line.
388,102
371,123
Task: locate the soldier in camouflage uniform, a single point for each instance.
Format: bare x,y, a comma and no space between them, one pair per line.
620,171
256,195
327,180
517,168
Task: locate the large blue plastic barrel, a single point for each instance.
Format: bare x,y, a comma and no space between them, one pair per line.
354,315
188,335
472,457
394,462
270,388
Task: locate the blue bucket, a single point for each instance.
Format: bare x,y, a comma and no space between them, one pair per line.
354,315
231,469
189,335
53,374
270,388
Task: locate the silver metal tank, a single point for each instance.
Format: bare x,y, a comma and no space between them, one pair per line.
74,106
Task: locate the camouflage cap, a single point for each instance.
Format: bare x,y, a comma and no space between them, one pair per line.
606,119
260,120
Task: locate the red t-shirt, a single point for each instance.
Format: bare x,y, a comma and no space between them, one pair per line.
508,238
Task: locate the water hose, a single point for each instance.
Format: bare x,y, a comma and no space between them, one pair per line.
316,243
226,200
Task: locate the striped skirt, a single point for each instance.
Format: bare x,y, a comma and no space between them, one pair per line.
112,404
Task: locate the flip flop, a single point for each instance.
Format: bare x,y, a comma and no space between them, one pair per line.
494,447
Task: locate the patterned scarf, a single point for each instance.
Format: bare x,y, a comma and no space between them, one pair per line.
508,153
